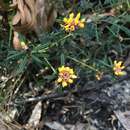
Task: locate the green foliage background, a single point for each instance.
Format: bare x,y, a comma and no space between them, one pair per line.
96,46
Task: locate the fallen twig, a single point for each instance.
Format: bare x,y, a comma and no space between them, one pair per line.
41,98
86,88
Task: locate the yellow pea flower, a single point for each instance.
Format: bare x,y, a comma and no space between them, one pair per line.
118,68
66,76
72,23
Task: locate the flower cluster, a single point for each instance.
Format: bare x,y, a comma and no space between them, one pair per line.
72,23
118,68
99,75
66,76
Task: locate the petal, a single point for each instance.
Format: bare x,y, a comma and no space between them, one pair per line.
61,68
122,67
71,16
70,21
122,73
82,20
59,80
72,28
70,81
77,17
119,63
65,20
67,68
64,84
116,73
114,68
81,25
76,21
73,76
71,71
66,29
115,62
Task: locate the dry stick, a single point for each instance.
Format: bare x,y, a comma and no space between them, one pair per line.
65,93
50,96
41,98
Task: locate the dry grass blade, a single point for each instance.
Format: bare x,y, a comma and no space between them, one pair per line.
2,126
124,119
8,126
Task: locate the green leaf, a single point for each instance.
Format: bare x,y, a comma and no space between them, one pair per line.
62,59
36,59
126,30
22,66
15,55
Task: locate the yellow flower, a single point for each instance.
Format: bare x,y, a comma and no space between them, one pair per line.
24,46
66,76
99,75
118,68
72,23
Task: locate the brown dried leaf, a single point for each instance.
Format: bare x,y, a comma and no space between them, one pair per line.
21,10
26,13
36,115
34,15
51,17
46,15
17,44
16,18
16,41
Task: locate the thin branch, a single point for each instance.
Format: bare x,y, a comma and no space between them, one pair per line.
41,98
86,88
